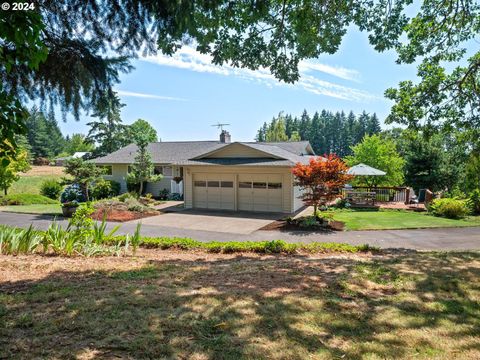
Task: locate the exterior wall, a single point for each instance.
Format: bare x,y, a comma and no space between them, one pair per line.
119,173
287,184
238,151
297,202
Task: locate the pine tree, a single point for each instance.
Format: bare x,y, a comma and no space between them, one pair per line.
38,134
373,125
108,131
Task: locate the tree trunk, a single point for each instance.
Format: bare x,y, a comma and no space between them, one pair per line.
141,188
5,191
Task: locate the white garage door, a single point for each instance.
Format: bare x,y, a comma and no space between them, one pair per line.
213,191
260,192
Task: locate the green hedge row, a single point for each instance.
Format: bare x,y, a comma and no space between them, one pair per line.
261,247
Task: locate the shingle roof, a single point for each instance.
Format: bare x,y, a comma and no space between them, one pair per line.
162,152
190,153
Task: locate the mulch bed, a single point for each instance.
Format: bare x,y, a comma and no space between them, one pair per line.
283,225
122,215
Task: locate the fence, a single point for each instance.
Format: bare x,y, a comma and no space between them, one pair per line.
383,194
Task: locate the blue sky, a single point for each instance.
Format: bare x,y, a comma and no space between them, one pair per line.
182,96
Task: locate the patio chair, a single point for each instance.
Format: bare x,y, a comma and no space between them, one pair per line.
421,195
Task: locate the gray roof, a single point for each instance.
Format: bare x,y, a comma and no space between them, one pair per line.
365,170
192,152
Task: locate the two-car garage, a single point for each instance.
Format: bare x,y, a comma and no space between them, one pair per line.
241,191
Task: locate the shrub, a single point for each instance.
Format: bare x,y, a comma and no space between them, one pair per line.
449,208
104,189
25,199
175,197
126,196
163,194
474,201
72,193
51,189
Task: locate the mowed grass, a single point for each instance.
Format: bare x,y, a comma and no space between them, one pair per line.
41,209
31,181
397,219
198,306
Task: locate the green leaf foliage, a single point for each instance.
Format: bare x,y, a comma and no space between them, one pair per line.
379,153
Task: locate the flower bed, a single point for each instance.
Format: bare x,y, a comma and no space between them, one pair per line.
114,210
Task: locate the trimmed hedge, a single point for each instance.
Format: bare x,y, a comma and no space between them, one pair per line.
26,199
262,247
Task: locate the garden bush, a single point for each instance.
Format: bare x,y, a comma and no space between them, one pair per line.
449,208
163,194
72,193
474,201
104,189
51,188
25,199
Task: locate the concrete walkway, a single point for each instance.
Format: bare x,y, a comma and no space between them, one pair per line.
420,239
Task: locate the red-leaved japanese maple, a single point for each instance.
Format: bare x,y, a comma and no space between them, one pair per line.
321,179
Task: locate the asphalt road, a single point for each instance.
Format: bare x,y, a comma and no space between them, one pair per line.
419,239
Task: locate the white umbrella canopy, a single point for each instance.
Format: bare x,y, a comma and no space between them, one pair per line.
365,170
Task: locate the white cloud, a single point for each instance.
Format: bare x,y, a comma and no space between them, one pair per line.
188,58
148,96
338,71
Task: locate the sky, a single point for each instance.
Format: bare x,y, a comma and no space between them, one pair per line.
184,95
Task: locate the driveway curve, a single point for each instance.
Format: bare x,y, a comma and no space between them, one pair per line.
466,238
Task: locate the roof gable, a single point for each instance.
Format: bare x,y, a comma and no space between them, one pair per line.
238,150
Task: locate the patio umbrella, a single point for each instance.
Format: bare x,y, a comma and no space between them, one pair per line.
365,170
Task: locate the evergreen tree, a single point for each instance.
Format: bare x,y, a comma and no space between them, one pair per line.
373,125
108,131
37,135
277,130
142,168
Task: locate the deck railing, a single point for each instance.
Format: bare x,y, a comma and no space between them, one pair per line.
382,193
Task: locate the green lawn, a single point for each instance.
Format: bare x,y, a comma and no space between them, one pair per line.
172,305
44,209
30,184
397,219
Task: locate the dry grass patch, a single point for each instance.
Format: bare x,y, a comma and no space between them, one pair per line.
195,305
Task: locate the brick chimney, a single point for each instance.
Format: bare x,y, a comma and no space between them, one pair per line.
225,137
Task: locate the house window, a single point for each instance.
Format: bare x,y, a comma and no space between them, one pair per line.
274,185
245,185
158,170
227,184
129,169
107,169
259,185
212,184
200,183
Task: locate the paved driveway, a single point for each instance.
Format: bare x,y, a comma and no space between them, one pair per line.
421,239
215,221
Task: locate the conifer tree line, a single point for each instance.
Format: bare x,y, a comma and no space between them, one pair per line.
328,132
107,133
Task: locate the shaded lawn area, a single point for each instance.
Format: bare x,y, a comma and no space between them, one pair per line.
165,304
44,209
396,219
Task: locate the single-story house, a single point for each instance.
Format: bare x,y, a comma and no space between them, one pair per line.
60,161
246,176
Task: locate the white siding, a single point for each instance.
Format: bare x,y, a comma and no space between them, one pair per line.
119,172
